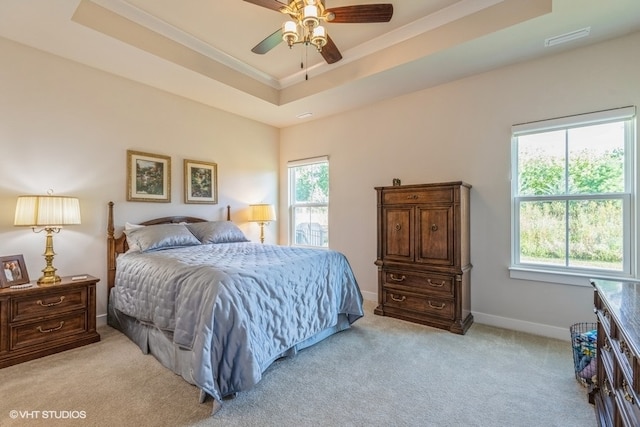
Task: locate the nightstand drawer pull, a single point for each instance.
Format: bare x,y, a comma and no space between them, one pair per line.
437,285
624,348
46,331
50,304
627,396
396,278
398,299
437,307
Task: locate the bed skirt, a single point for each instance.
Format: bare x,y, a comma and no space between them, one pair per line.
158,343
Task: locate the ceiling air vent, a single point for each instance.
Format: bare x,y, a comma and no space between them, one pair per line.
563,38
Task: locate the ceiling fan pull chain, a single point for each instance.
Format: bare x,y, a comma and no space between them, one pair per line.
306,54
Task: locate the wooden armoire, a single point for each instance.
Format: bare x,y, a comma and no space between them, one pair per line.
424,267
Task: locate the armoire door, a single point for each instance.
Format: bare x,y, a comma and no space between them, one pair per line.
398,233
435,233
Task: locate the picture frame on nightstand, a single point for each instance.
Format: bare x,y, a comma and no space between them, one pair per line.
14,271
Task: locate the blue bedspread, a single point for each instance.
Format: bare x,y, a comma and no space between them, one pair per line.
238,306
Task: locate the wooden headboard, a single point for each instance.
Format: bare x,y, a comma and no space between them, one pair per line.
118,245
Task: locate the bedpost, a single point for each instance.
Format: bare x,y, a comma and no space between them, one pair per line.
111,251
228,212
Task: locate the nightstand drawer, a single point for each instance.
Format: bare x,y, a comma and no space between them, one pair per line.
439,307
36,306
48,330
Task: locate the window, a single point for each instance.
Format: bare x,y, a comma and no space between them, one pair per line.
309,202
572,194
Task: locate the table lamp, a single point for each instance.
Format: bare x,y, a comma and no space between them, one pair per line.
262,214
47,213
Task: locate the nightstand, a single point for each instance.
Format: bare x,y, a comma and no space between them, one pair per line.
43,320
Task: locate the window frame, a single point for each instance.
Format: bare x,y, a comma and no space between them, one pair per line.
293,205
572,275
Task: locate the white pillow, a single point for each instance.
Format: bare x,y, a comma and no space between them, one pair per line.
133,246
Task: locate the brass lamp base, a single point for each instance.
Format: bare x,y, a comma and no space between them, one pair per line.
49,280
49,276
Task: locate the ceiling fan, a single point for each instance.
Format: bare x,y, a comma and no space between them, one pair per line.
306,16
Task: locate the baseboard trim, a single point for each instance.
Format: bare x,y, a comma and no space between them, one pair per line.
505,323
481,318
523,326
370,296
101,320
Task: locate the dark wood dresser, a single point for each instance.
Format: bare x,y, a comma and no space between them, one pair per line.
617,306
43,320
423,254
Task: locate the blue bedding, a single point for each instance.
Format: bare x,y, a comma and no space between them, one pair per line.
238,306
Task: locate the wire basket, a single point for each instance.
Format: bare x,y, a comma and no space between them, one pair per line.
584,337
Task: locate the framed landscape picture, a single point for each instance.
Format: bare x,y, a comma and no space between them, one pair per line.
200,182
14,271
148,177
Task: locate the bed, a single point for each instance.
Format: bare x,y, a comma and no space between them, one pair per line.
218,309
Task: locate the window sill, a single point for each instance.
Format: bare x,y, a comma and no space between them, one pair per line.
563,278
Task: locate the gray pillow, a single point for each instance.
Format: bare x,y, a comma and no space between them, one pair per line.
161,236
217,232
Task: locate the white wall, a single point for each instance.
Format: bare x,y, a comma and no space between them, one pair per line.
461,131
67,127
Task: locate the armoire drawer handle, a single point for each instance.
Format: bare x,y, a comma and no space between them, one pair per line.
46,331
393,297
437,285
50,304
607,344
434,227
396,278
605,387
437,307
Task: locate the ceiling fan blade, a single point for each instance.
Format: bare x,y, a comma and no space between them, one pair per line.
330,52
361,13
268,43
269,4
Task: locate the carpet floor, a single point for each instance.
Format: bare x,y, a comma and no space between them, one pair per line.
381,372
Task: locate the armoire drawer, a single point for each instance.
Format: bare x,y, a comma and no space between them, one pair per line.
421,282
433,195
425,304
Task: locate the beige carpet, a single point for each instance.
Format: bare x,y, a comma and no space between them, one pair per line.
382,372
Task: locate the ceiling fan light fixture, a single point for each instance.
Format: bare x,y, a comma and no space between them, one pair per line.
290,32
304,19
310,16
319,37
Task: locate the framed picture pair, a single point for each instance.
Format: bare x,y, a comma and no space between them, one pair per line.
149,179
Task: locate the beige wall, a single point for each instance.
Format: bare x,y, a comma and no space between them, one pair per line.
67,127
461,131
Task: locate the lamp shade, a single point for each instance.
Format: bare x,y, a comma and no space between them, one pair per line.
262,213
47,211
